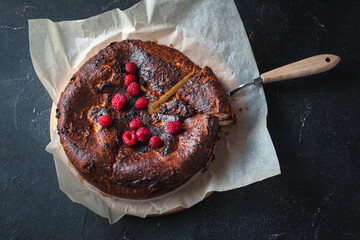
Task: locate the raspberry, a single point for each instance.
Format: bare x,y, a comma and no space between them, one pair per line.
141,103
129,138
130,67
118,101
143,134
173,127
105,120
135,124
156,142
129,79
133,89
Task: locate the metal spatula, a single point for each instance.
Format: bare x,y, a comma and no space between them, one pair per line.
302,68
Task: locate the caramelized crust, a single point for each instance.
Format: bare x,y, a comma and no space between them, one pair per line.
177,107
206,95
139,172
160,67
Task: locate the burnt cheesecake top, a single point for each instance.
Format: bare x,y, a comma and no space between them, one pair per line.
166,145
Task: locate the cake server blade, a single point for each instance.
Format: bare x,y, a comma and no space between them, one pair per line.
306,67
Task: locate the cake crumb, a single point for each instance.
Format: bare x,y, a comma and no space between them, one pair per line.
80,178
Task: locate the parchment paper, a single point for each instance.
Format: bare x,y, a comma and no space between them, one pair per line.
210,33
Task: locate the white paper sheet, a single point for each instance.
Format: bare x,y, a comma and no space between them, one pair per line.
210,33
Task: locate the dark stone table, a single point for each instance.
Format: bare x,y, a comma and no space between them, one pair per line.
314,123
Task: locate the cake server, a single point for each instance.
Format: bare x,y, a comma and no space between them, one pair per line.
306,67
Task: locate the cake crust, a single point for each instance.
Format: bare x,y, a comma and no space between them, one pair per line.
98,153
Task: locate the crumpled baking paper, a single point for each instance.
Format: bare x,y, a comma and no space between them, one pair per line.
208,32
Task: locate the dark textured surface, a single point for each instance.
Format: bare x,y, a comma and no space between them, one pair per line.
314,123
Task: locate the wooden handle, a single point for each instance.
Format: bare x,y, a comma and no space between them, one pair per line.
302,68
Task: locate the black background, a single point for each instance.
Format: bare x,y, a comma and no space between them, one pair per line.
314,123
